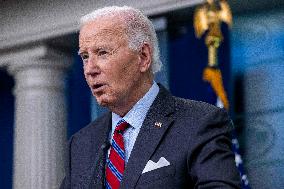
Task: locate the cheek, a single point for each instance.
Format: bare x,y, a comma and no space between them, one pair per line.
131,74
121,81
122,73
115,75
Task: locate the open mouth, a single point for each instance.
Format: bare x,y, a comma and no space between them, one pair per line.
97,87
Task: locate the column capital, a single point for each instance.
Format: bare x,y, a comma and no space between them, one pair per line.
38,67
36,56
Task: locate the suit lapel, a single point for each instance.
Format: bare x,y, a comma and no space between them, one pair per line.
100,141
149,137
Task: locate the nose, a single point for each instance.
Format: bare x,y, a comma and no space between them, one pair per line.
91,67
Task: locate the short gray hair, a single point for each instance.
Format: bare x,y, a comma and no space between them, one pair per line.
139,29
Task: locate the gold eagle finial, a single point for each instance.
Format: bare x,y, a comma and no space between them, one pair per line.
210,15
208,18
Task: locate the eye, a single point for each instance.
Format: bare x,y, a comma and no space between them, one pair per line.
102,52
84,56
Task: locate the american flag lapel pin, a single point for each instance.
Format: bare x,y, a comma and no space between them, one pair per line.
158,124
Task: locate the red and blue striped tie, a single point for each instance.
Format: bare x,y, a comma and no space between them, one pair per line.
116,161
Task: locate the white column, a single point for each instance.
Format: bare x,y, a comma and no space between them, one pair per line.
40,117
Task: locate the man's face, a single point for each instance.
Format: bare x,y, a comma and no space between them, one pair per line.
111,69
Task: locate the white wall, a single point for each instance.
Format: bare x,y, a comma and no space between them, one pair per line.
32,20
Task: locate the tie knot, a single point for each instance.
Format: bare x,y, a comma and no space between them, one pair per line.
121,126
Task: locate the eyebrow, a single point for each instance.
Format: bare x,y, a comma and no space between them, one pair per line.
79,52
104,46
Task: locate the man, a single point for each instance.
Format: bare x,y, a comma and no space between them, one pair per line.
149,139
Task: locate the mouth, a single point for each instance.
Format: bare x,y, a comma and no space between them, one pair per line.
98,87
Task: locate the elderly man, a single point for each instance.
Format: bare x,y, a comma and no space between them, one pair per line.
149,139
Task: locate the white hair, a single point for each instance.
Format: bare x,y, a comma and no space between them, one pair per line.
139,29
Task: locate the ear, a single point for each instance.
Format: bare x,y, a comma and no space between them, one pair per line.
145,57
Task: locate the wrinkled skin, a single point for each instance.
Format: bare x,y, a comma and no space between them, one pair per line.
117,76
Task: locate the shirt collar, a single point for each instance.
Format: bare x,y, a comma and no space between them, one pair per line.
137,114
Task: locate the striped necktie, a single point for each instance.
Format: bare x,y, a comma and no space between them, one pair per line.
116,161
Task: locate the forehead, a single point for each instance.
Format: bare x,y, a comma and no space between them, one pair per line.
105,28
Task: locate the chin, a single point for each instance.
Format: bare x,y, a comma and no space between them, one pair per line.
103,102
106,99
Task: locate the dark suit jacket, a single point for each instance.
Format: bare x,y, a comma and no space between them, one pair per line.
194,138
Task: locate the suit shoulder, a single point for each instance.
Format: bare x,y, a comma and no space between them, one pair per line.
195,107
92,126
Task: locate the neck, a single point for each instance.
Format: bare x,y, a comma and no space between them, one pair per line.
126,105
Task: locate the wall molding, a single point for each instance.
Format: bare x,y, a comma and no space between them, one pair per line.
39,21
